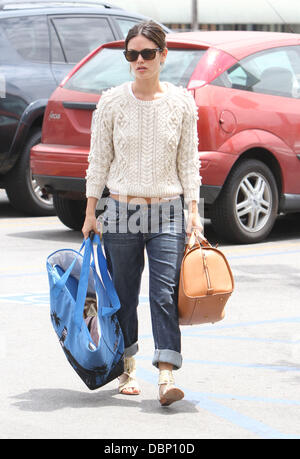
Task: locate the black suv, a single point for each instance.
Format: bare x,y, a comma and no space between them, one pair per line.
39,44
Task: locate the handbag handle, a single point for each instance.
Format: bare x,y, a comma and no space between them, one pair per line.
196,239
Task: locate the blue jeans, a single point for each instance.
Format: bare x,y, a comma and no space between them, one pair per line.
127,230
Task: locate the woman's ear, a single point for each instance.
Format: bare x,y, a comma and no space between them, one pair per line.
164,55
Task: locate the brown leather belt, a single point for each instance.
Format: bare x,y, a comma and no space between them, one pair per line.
139,200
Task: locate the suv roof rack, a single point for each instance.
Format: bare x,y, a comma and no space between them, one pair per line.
23,4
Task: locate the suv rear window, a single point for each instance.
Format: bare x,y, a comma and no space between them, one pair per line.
29,36
109,68
81,35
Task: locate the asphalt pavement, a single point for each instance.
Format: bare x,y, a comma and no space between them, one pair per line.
241,376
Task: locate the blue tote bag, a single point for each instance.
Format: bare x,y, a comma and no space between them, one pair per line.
73,280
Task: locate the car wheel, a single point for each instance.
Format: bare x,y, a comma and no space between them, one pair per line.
21,188
70,212
246,209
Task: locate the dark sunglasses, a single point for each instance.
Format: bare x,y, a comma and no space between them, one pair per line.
148,54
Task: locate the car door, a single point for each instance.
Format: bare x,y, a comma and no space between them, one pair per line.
264,94
75,36
278,95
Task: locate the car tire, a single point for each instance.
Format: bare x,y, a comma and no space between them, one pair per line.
70,212
247,207
22,191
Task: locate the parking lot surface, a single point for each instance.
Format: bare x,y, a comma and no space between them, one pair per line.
240,376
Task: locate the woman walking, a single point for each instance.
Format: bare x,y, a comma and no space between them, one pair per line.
144,147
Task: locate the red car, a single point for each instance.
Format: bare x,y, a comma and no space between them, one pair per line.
247,89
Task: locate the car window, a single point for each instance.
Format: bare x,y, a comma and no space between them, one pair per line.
109,68
57,54
125,25
275,72
80,35
29,36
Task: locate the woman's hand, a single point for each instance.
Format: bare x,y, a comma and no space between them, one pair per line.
194,219
90,222
194,222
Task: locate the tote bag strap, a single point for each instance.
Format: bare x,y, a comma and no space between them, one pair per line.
106,279
61,282
83,282
84,278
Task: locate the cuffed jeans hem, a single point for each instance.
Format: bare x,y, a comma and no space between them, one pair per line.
167,356
131,350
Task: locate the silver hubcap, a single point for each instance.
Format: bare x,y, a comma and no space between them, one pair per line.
253,202
41,194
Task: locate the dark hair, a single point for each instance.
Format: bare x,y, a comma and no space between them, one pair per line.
150,30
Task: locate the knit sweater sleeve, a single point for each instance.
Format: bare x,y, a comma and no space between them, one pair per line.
188,163
101,149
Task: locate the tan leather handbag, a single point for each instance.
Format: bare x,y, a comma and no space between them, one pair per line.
206,283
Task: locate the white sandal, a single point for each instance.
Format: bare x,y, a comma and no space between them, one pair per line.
130,385
171,393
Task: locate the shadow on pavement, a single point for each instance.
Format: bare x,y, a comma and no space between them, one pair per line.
47,400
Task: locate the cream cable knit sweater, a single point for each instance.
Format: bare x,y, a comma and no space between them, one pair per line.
144,148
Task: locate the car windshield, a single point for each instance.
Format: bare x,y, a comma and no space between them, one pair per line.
109,68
